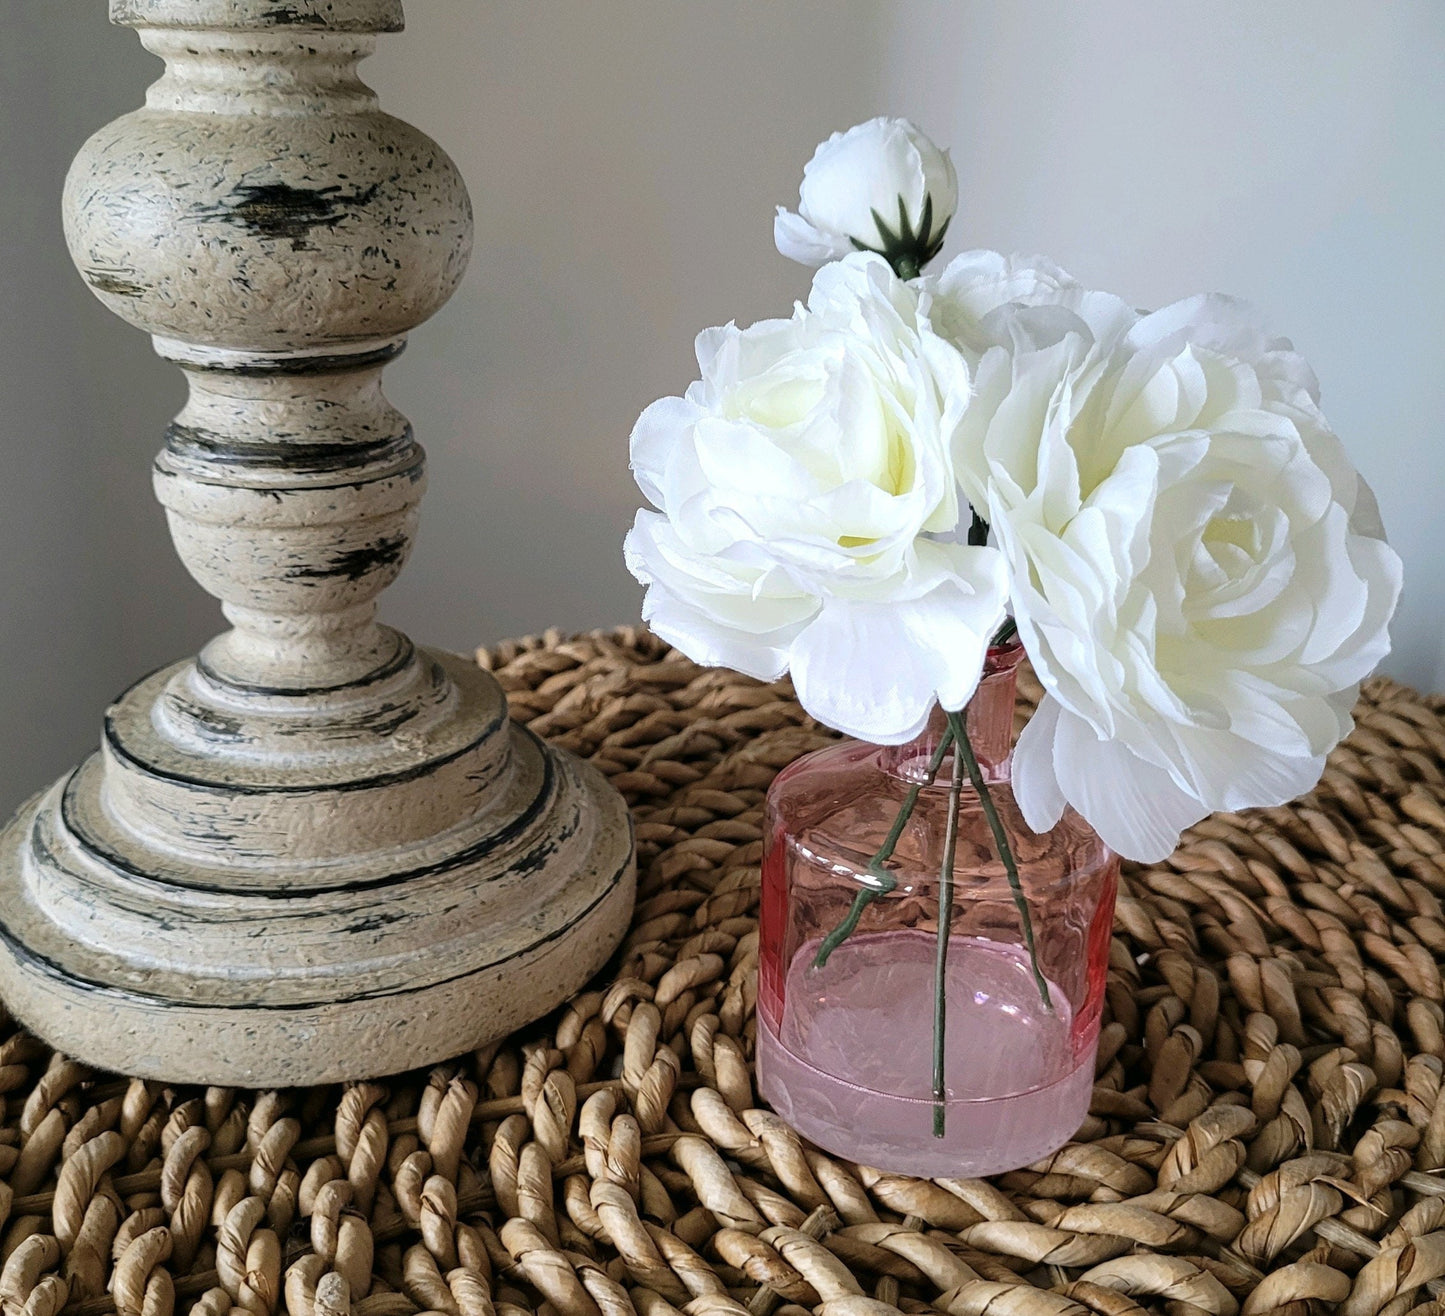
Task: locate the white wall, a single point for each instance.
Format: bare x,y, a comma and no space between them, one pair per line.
624,159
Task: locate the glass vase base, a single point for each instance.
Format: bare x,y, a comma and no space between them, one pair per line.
851,1066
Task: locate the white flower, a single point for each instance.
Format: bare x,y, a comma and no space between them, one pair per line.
881,186
976,283
1197,572
799,484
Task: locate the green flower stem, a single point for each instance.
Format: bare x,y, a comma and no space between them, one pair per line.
884,879
945,928
956,723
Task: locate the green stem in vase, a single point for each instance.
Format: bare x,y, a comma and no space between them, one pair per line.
945,929
1005,851
884,879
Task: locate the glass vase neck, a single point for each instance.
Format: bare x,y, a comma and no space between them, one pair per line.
989,721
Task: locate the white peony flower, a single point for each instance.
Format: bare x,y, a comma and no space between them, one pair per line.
799,484
881,186
1197,572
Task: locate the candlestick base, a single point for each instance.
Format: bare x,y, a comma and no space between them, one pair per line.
213,915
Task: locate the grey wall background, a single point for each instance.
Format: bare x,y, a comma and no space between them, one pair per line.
624,159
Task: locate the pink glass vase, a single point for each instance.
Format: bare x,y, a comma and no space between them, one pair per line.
846,1051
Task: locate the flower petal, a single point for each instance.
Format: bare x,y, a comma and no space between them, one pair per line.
874,670
698,635
1036,784
799,240
851,673
1135,807
655,438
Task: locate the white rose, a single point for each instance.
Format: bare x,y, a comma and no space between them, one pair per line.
1197,572
881,186
798,486
976,283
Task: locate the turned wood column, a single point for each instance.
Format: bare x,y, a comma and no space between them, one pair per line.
316,851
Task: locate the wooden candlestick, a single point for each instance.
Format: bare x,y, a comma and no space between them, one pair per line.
314,852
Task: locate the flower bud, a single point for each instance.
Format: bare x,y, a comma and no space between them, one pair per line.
881,186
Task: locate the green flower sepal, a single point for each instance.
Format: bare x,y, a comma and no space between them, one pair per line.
907,249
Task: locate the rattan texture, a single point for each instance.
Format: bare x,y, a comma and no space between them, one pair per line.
1267,1130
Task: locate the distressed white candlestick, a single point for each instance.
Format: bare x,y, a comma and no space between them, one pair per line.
316,851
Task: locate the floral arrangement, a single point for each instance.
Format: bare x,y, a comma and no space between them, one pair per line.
860,493
871,492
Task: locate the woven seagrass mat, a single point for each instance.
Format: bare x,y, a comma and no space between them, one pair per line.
1267,1132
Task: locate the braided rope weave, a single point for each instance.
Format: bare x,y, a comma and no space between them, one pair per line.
1267,1131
